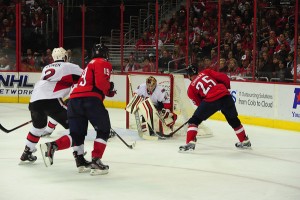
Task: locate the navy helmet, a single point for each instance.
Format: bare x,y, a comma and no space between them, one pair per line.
100,50
192,70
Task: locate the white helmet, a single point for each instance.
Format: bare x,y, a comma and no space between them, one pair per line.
59,54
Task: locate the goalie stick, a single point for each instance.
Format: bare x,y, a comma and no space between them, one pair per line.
129,146
10,130
136,115
175,131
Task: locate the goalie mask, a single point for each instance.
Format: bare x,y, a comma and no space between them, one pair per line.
151,84
59,54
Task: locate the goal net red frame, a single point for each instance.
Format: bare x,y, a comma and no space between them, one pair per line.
176,90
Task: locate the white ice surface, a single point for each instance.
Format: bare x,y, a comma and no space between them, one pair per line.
154,170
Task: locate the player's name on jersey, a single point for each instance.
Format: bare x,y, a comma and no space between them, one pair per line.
53,65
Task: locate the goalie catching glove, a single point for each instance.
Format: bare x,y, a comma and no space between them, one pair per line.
168,117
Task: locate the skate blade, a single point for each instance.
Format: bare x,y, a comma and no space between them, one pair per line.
26,162
95,172
83,169
47,161
186,151
244,148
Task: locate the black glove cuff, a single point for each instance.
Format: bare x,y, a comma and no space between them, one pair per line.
112,85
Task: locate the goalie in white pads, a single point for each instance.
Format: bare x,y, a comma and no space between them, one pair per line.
151,101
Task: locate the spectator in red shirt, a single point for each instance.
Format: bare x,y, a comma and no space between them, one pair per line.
29,58
148,66
47,59
143,43
131,65
164,34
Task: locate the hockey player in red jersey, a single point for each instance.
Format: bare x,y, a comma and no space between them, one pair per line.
47,99
209,91
86,105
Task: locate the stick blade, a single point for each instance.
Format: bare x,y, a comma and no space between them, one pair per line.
4,129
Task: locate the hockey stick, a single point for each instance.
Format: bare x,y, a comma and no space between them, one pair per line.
129,146
175,131
8,131
136,115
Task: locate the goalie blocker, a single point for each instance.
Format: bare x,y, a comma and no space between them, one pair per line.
153,123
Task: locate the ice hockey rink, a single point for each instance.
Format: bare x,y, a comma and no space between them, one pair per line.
216,170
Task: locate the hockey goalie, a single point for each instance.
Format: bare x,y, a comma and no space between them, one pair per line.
151,108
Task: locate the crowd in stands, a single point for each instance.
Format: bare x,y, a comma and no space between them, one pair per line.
275,39
35,54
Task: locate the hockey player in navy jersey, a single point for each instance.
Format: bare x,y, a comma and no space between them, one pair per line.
209,92
86,105
47,99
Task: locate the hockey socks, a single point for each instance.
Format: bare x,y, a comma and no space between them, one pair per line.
191,133
64,142
240,133
99,148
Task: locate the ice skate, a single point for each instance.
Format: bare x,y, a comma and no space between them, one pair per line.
246,144
188,147
27,157
98,168
47,151
81,163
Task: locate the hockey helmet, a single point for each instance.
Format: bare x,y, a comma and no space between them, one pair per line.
59,54
192,70
151,84
100,51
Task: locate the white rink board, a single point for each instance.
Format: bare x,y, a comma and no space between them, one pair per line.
272,101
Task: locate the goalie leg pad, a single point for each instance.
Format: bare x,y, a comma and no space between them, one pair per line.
145,128
133,105
153,119
149,112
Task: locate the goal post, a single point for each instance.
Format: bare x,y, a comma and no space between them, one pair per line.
175,86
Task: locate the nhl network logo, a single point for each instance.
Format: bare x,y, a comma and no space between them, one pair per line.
297,98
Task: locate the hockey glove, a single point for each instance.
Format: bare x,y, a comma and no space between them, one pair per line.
169,117
111,91
112,86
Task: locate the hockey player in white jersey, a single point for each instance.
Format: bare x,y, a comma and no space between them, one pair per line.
51,125
153,105
47,101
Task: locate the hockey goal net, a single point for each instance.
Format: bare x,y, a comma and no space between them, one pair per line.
176,89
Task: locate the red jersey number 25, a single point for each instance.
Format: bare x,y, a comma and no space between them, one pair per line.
205,83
